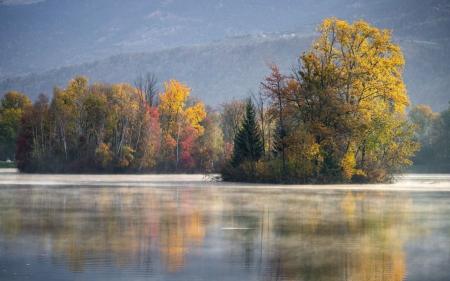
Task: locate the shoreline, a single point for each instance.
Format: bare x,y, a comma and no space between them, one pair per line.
405,182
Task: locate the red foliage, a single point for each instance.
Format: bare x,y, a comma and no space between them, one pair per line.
188,138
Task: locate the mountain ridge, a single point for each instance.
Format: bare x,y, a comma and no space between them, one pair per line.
229,69
47,34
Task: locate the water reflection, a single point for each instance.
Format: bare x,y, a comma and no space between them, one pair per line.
215,233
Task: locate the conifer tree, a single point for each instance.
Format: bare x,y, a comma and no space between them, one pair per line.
279,141
247,143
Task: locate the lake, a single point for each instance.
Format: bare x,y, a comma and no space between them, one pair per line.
189,227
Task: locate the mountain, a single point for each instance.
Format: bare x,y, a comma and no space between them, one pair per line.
219,47
229,69
215,72
39,35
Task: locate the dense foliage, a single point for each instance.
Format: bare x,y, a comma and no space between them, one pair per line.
91,128
340,117
12,107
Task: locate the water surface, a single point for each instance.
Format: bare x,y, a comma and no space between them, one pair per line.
187,227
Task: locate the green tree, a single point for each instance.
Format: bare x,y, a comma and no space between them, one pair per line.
247,143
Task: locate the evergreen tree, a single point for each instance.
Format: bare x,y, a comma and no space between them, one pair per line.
279,142
247,143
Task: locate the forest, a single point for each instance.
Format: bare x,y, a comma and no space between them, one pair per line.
342,115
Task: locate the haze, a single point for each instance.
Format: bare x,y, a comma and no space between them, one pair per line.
217,41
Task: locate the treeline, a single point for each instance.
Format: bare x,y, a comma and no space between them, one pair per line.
118,128
433,133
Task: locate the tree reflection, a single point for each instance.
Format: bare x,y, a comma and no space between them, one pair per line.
275,235
359,238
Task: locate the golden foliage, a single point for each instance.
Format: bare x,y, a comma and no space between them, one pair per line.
173,108
194,115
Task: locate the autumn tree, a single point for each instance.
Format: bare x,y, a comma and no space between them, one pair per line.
209,148
180,122
275,88
34,142
66,111
12,107
350,94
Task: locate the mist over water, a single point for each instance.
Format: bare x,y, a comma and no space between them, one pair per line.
187,227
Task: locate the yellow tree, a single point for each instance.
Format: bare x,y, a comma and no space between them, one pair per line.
369,64
350,84
126,121
176,115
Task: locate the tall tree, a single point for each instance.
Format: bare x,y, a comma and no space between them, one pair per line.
264,119
177,119
247,143
209,150
349,85
274,87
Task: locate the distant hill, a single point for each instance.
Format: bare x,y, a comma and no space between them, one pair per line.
230,68
39,35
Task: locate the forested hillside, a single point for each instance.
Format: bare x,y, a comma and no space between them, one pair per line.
230,69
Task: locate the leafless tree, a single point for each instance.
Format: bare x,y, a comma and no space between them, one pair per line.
147,87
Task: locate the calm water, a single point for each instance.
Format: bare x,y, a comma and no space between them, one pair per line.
188,228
